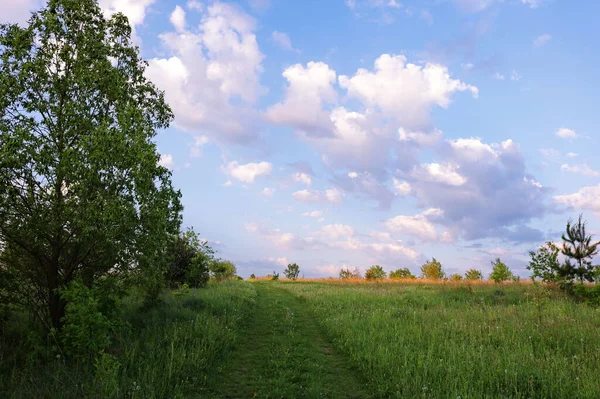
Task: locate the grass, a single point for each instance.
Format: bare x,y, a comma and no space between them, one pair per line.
461,340
167,352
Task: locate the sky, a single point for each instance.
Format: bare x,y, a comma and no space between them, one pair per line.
347,133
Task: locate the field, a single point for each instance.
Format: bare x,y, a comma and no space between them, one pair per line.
332,339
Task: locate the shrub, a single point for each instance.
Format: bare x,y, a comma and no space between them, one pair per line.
375,272
544,263
292,271
346,273
432,270
500,272
190,260
223,270
455,277
275,276
252,276
474,274
401,274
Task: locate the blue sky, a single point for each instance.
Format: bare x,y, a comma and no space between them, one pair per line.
349,133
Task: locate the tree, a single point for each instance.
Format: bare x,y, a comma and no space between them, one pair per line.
81,188
544,263
223,270
346,273
401,274
191,259
455,277
579,250
375,272
292,271
500,272
252,276
432,270
473,274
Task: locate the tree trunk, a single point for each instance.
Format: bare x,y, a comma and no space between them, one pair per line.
56,305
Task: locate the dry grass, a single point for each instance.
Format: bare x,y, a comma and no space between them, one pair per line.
332,280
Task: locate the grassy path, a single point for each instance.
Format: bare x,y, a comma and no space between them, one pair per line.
283,354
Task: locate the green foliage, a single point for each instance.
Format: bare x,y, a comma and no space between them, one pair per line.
92,315
473,274
223,270
579,250
274,276
401,274
252,276
375,272
81,188
500,272
292,271
544,263
191,259
588,293
456,277
432,270
346,273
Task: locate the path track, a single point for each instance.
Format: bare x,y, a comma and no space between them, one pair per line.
282,353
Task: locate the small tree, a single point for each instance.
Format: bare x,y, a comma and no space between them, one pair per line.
223,270
346,273
252,276
544,263
292,271
191,260
432,270
500,272
579,250
401,274
275,276
474,274
375,272
455,277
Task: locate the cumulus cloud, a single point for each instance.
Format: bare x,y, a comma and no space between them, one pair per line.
541,40
313,214
404,91
493,197
301,177
416,225
166,160
401,187
211,76
283,240
565,133
421,138
248,172
587,198
283,41
268,192
335,231
333,196
437,173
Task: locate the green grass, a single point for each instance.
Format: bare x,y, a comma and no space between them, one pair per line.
282,353
455,341
167,352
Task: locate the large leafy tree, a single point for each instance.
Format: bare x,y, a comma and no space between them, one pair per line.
579,249
81,189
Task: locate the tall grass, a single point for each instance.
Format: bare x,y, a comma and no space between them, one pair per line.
461,341
168,351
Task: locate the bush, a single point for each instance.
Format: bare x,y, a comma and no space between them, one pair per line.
346,273
274,276
375,272
223,270
190,262
500,272
252,276
544,263
401,274
292,271
474,274
432,270
455,277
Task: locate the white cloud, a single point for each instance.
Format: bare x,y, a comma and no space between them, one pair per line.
417,225
283,41
474,5
335,231
228,183
309,88
532,3
438,173
268,192
404,91
565,133
166,160
301,177
572,154
421,138
587,198
583,169
514,75
211,76
178,19
248,172
498,76
333,196
18,11
542,40
283,261
199,142
313,214
401,187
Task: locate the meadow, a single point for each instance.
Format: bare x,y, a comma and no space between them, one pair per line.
460,340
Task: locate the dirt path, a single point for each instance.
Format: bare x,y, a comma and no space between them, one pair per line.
283,354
